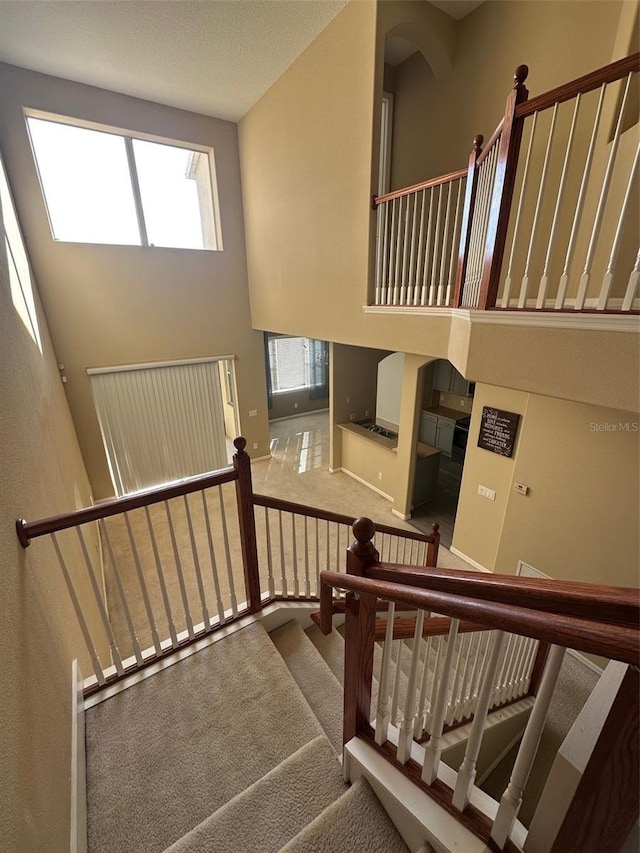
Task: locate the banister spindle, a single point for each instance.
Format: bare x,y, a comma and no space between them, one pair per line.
196,564
583,287
180,574
385,276
408,719
427,250
436,242
416,288
503,190
160,572
512,798
454,245
227,553
445,242
434,749
143,585
632,287
212,559
398,254
467,772
467,219
410,280
383,710
123,597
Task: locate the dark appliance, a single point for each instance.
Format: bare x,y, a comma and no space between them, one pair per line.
460,438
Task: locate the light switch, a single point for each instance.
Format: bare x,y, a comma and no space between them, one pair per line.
487,493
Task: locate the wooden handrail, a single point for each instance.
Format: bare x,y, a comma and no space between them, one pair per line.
490,142
611,641
436,626
423,185
611,604
338,518
587,83
28,530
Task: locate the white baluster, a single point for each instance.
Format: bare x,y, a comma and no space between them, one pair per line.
283,572
451,704
465,683
84,628
440,644
542,185
604,192
411,281
123,598
434,749
467,772
632,287
271,581
328,548
405,736
477,671
425,269
196,564
379,250
514,677
436,242
445,242
385,285
416,290
582,193
307,578
544,281
143,586
294,560
317,557
529,668
179,572
421,716
384,698
607,283
455,243
512,797
506,294
503,672
227,554
518,642
212,559
396,683
398,255
405,252
161,580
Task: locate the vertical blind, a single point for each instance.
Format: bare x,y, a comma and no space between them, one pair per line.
160,423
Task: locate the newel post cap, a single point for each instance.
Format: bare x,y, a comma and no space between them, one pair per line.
520,75
240,443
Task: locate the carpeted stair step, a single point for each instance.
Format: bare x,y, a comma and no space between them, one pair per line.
166,753
331,647
274,809
355,822
318,684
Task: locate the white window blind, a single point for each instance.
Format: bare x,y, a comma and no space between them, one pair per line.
289,362
160,423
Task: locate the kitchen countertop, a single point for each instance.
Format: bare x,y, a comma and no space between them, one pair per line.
443,412
423,450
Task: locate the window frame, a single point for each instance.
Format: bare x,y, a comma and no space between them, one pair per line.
128,136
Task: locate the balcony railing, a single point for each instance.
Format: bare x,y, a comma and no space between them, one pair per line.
553,228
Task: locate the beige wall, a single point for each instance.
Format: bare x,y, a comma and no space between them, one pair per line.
297,402
42,475
111,305
580,518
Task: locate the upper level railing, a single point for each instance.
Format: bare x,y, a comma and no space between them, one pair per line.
590,618
156,571
555,229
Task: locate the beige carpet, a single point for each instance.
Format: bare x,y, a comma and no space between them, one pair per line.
169,751
273,810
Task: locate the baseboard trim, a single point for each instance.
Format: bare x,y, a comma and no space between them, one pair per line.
261,458
401,515
368,485
298,415
78,839
468,559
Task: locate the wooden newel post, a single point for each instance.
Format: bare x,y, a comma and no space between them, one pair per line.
247,524
433,547
360,627
467,219
503,187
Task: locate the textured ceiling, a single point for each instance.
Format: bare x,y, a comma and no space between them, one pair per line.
216,57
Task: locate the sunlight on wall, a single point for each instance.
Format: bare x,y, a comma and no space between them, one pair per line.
18,263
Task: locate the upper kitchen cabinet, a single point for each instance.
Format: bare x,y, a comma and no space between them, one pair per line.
446,378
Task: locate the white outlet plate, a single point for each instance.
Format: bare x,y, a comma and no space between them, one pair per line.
487,493
255,445
380,475
253,413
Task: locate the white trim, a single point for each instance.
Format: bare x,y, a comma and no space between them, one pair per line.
78,836
261,458
364,483
298,414
557,320
401,515
122,368
469,560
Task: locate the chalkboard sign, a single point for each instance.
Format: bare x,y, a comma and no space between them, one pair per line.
498,431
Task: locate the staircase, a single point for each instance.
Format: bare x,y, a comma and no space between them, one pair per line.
237,748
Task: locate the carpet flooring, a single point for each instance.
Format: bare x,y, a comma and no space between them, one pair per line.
169,751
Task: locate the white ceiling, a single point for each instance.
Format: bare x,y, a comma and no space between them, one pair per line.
216,57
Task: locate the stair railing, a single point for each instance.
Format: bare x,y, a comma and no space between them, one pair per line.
585,617
153,572
570,244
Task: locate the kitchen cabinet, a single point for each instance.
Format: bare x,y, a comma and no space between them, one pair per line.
437,431
446,378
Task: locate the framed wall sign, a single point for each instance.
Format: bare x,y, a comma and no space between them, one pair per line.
498,431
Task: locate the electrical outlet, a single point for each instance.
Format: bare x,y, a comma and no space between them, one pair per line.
253,413
348,400
521,488
487,493
295,405
352,416
255,445
380,475
366,413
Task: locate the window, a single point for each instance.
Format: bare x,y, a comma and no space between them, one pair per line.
295,363
102,186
